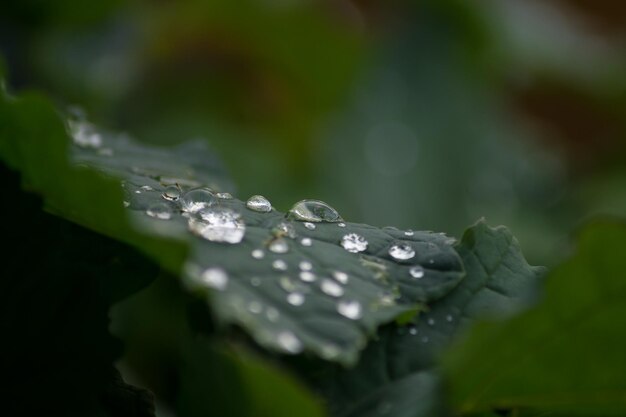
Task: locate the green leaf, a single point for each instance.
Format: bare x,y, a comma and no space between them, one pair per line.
566,355
498,283
376,290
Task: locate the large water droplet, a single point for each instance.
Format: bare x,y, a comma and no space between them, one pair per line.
417,271
218,225
279,245
295,299
160,211
401,251
354,243
314,211
259,203
350,309
196,200
171,193
289,342
331,288
215,278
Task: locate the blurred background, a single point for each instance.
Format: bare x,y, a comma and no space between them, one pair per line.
418,114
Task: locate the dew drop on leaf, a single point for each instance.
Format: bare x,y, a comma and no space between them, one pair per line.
341,224
196,200
259,203
401,251
305,265
279,245
341,277
306,241
159,211
314,211
350,309
354,243
171,193
279,265
255,307
417,271
295,299
309,225
307,276
331,288
258,254
218,225
215,278
224,196
289,342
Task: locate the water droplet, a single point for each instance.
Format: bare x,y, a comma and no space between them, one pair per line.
279,245
215,278
289,342
417,271
341,224
341,277
137,191
431,322
258,254
306,241
413,330
284,229
401,251
305,265
309,225
160,211
314,211
307,276
272,314
259,203
350,309
329,351
218,225
224,196
431,261
295,298
171,193
126,203
354,243
409,233
146,188
449,318
287,284
279,265
255,281
84,134
255,307
196,200
331,288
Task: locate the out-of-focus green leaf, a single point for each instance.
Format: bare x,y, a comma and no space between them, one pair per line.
566,355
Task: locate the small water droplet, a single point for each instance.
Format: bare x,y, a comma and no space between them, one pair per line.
409,233
431,261
126,204
255,281
413,330
295,298
425,339
306,241
255,307
431,322
331,288
354,243
329,351
146,188
272,314
289,342
215,278
309,225
84,134
196,200
218,225
449,318
279,245
401,251
137,191
171,193
350,309
341,224
258,254
279,265
314,211
160,211
417,271
307,276
305,265
259,203
341,277
224,196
